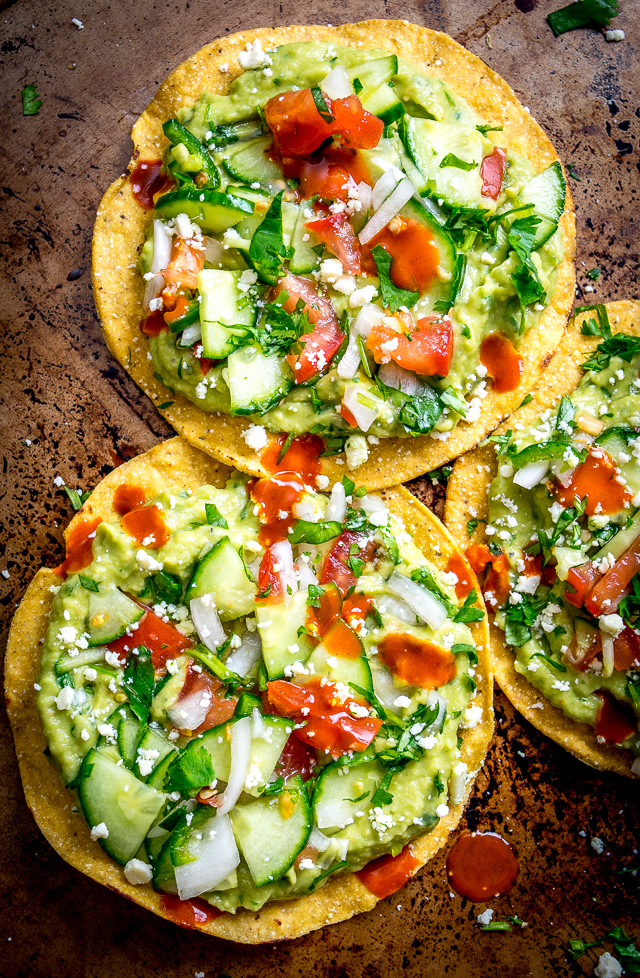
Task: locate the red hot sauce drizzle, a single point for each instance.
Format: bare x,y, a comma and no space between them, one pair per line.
503,364
191,914
146,524
127,498
276,495
79,545
148,182
482,865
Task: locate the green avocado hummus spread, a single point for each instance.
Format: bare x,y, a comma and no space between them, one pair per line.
564,526
341,246
251,688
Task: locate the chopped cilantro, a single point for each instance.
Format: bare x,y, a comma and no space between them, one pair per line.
382,796
497,925
468,613
485,129
165,587
392,297
167,404
520,617
267,250
138,681
452,160
305,531
584,13
321,105
551,662
214,517
192,769
592,328
76,497
629,607
332,869
31,100
594,274
621,345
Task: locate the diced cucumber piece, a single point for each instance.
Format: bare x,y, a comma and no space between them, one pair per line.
128,734
257,381
342,791
153,845
384,103
247,703
547,192
225,312
88,657
153,740
212,210
278,627
450,265
225,135
373,74
164,877
428,143
157,777
222,573
112,795
289,219
340,670
247,162
272,831
304,259
111,613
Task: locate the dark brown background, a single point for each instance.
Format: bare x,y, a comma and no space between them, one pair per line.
83,415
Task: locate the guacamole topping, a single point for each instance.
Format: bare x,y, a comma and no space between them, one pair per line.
563,558
254,687
341,246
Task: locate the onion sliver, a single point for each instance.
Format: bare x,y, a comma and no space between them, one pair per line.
530,475
336,84
161,247
243,659
608,657
385,688
190,335
337,508
258,726
190,711
384,186
216,857
283,556
362,406
423,602
400,379
306,574
375,509
364,195
207,622
388,210
388,605
213,251
368,317
319,841
240,760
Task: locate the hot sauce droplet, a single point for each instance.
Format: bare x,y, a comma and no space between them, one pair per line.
147,182
191,914
482,865
278,494
458,566
302,456
503,364
417,661
79,546
616,720
153,324
598,478
126,498
146,526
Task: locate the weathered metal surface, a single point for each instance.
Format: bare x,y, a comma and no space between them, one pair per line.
67,410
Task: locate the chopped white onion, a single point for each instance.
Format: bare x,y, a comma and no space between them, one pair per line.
400,379
319,841
388,210
368,317
563,475
337,508
243,659
192,334
385,688
306,575
384,186
213,251
305,510
152,288
216,857
207,622
375,509
258,726
336,84
432,207
364,195
608,657
425,604
240,761
189,712
161,247
530,475
364,413
283,557
388,605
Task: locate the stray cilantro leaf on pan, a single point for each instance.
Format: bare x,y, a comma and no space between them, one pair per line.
77,498
572,173
594,274
392,297
31,100
585,13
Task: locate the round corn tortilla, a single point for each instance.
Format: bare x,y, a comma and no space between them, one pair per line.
467,490
170,463
120,223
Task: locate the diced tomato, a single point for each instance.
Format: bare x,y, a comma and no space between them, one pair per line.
626,649
296,758
127,498
329,724
337,235
416,661
79,546
504,365
153,324
387,875
338,172
583,578
598,479
162,639
323,342
609,591
458,566
322,618
184,265
270,586
496,586
427,350
147,526
616,720
336,567
190,914
178,308
342,641
492,173
414,252
299,129
355,609
221,707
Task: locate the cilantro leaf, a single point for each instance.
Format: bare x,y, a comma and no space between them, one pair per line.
420,412
524,279
280,329
452,160
485,129
381,795
551,662
332,869
165,587
467,613
585,13
305,531
520,617
138,681
77,498
191,770
392,296
321,105
31,100
214,517
589,327
88,583
594,274
621,345
315,594
629,607
267,250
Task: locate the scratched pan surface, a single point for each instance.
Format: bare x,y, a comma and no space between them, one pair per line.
82,415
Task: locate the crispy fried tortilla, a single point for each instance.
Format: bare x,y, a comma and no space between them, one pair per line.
467,492
120,224
177,462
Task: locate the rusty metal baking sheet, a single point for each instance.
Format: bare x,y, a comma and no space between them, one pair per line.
67,410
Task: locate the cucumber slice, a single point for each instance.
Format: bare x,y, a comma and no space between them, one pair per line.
342,792
303,259
236,132
373,74
278,627
88,657
428,143
384,103
111,613
547,192
340,670
157,777
256,381
112,794
128,734
445,287
203,852
164,877
153,846
154,740
224,312
247,162
211,209
271,832
222,573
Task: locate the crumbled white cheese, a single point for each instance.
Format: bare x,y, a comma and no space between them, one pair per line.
597,845
255,436
360,297
147,562
138,872
615,35
64,699
253,56
99,831
608,966
485,917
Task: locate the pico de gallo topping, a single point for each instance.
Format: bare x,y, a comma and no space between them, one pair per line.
251,688
561,561
346,249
